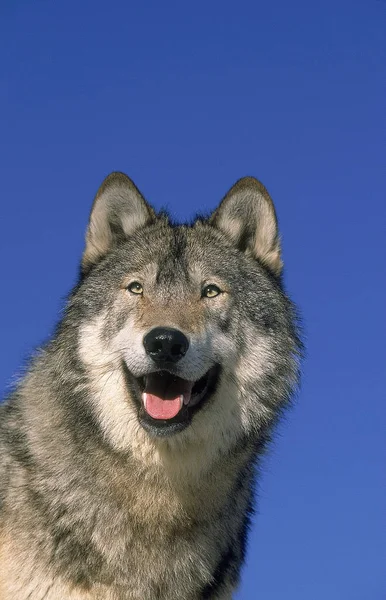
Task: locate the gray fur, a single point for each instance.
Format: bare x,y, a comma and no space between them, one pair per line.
93,506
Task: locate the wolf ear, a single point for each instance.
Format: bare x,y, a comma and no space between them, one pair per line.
118,210
247,216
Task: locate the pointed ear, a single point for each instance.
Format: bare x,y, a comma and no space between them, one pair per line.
247,216
118,210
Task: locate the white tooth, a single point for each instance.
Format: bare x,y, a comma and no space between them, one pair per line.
144,399
185,400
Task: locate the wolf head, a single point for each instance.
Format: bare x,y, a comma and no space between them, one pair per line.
184,332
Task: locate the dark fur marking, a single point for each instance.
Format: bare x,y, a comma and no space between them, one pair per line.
167,272
224,568
244,530
228,569
77,560
229,565
15,438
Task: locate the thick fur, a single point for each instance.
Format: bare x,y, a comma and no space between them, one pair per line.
92,505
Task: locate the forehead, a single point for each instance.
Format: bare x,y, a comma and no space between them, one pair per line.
174,252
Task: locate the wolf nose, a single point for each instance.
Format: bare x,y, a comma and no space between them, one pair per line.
164,344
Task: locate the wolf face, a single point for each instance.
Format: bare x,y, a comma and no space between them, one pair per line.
184,331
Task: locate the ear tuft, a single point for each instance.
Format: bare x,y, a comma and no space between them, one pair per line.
247,216
118,210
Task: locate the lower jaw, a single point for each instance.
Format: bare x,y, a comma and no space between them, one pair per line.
161,428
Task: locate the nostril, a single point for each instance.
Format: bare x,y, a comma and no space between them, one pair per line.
176,350
157,346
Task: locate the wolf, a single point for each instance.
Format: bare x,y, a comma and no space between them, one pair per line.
129,450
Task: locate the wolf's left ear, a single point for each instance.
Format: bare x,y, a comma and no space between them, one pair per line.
247,216
118,210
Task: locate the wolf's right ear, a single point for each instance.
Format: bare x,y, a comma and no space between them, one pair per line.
118,210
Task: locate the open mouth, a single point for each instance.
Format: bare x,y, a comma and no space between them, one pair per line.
167,403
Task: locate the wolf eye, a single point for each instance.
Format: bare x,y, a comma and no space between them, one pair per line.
211,291
135,288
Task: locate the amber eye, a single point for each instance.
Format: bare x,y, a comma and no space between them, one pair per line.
211,291
135,288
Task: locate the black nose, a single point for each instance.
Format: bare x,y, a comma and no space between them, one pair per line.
164,344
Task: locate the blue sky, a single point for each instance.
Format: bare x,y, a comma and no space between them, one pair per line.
187,98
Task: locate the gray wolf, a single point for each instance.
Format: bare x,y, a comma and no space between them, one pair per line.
129,449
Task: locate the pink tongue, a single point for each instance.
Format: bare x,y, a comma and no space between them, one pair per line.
158,408
165,394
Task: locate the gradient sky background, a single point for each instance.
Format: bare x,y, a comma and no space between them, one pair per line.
186,98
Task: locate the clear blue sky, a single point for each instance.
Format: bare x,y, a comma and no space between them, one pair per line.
186,98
